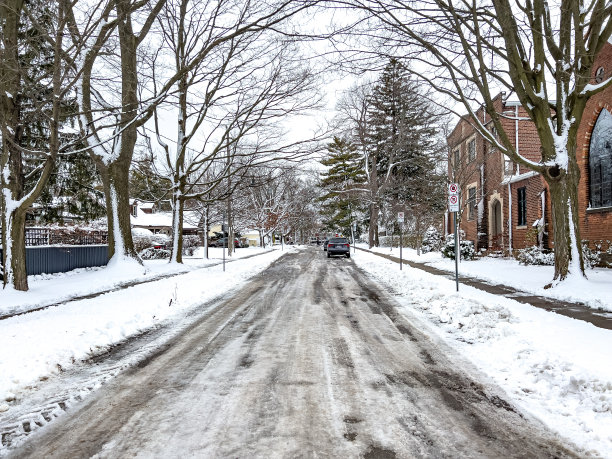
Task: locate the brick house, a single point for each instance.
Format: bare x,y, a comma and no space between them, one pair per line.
501,201
505,206
594,155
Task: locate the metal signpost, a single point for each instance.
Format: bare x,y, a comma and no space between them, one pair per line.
400,221
453,206
223,230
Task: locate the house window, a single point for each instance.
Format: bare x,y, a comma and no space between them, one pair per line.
135,210
522,206
471,203
600,162
508,165
471,150
456,159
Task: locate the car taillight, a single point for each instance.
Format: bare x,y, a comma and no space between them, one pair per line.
346,245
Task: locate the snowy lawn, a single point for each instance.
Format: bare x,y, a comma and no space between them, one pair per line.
36,345
557,368
595,292
53,288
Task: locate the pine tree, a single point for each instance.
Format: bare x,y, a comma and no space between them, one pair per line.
74,189
402,143
341,185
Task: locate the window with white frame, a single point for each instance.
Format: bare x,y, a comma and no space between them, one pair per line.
456,159
508,165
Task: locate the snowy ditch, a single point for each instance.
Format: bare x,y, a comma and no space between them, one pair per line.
556,368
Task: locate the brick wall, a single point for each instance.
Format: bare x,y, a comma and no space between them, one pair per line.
486,172
596,224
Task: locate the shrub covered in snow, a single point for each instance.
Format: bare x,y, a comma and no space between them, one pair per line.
154,254
144,239
466,248
535,256
432,241
600,255
190,243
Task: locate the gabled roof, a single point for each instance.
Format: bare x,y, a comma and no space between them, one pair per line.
164,220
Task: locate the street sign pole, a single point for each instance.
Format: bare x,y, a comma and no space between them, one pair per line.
456,253
400,222
453,206
401,237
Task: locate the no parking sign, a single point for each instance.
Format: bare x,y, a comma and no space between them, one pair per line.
453,197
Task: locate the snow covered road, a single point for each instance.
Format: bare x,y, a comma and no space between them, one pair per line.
311,359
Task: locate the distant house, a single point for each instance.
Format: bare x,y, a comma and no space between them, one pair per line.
146,215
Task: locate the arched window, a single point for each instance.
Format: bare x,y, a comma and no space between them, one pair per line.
600,162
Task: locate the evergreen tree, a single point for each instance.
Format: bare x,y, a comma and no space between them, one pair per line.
402,141
146,183
402,130
341,185
74,189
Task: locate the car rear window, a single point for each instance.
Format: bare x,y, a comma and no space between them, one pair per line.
338,240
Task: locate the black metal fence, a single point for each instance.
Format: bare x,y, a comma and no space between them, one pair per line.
61,259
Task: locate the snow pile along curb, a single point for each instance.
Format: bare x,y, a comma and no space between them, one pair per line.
554,367
38,344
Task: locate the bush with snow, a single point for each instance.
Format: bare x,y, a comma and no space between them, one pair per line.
432,241
190,244
144,239
466,248
152,253
535,256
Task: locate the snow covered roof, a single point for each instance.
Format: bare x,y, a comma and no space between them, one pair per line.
161,219
146,205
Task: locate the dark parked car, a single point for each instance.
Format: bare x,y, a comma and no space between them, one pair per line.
222,242
338,246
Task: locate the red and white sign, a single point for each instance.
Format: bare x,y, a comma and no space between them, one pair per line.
453,189
400,217
453,203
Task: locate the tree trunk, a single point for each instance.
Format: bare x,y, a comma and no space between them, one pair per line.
178,205
14,256
115,181
11,173
563,188
373,231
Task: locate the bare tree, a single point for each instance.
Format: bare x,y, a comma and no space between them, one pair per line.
228,103
544,54
113,124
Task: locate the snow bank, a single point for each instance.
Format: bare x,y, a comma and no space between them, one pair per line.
554,367
36,345
52,288
595,293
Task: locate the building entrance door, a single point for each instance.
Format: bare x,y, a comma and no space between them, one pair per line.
496,227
